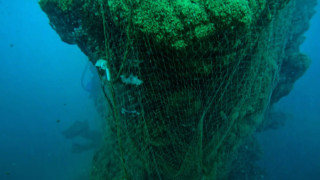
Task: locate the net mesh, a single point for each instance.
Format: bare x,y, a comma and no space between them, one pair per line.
189,79
195,102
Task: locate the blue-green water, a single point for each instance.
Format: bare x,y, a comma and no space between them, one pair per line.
292,151
40,97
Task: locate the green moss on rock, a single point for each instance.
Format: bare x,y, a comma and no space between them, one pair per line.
177,24
64,5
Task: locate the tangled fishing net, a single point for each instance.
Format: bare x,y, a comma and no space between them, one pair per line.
187,80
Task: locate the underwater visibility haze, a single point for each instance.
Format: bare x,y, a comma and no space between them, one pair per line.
144,89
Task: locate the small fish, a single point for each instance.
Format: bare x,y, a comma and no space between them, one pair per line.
58,121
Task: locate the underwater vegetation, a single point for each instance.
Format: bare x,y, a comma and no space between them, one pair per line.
187,82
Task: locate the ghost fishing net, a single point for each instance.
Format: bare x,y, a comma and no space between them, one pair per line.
180,104
185,80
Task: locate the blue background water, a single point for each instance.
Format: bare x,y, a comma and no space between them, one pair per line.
40,83
293,151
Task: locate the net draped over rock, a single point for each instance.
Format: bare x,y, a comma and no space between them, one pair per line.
189,79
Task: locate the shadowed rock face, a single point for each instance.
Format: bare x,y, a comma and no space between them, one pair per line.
209,70
81,129
78,128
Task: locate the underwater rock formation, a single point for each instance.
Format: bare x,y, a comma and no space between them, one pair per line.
93,138
210,69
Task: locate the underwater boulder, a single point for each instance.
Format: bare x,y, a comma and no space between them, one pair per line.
210,69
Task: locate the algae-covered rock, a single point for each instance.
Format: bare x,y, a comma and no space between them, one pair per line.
210,69
64,5
177,24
